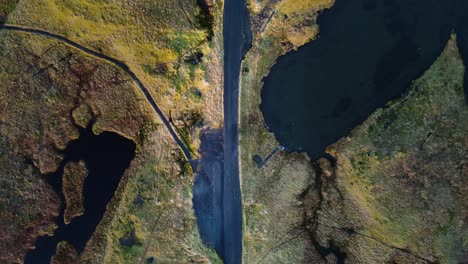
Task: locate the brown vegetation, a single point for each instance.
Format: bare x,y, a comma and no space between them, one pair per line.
48,88
42,82
74,175
398,191
65,254
274,225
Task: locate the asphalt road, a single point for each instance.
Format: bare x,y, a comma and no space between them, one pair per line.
234,12
117,63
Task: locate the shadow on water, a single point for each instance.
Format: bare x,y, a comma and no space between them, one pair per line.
107,156
368,53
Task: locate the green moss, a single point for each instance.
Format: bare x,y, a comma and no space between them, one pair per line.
6,7
180,42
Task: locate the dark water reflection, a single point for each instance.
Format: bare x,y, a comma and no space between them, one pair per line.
368,53
107,156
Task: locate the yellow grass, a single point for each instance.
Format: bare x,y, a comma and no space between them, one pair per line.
300,6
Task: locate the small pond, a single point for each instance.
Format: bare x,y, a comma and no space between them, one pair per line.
107,156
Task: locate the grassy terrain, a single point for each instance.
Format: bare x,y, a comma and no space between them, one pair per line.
274,228
47,88
401,174
42,82
65,253
6,6
394,191
157,39
286,24
74,176
154,206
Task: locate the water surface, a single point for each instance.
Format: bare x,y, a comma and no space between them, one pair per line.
368,52
107,156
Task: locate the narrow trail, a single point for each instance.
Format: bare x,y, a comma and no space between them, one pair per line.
117,63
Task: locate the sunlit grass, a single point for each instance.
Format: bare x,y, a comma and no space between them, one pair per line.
290,7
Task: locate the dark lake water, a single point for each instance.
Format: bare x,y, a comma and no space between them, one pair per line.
107,156
368,52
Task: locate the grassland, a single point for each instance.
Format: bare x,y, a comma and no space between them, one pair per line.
74,176
400,175
48,88
42,82
158,40
6,6
391,191
286,24
274,227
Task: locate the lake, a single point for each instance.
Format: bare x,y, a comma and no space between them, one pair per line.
368,53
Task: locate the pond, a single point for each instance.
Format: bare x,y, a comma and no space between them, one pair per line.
368,53
107,156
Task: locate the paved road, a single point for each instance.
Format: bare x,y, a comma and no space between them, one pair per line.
117,63
234,12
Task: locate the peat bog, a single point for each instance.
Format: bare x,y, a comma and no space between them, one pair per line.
107,156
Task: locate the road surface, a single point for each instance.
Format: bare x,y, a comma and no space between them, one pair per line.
234,12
